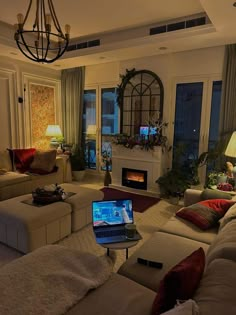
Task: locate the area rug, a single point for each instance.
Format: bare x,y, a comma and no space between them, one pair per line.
140,202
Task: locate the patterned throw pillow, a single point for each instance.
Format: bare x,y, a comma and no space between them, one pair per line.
180,283
205,214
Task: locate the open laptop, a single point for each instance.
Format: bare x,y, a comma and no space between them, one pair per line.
109,220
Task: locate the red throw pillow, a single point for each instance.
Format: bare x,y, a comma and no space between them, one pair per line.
180,282
205,214
22,158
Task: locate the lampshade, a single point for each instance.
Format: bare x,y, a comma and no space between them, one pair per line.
231,147
53,131
44,41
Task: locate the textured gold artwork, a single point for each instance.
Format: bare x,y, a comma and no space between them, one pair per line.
42,114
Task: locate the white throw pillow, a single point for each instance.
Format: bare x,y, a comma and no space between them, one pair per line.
188,307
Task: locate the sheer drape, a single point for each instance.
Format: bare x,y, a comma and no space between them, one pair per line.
72,104
228,100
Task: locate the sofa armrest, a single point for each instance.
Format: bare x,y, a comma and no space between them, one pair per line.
191,196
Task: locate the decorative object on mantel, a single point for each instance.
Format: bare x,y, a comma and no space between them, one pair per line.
106,158
45,42
148,141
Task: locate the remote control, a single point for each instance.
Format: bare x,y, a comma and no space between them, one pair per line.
150,263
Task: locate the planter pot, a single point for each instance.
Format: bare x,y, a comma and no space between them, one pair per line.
174,200
221,179
78,175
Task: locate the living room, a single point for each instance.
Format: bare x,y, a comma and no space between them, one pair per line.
32,99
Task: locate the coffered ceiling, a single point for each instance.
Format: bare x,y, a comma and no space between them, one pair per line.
123,28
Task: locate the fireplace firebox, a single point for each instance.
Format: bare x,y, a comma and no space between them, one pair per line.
134,178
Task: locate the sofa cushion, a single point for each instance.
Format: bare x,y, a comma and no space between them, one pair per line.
116,296
230,215
180,282
43,161
163,247
22,158
12,178
214,194
187,229
5,160
224,245
205,214
216,292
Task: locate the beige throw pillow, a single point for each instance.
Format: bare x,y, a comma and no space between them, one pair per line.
44,160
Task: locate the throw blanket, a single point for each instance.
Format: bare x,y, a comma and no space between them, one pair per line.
49,280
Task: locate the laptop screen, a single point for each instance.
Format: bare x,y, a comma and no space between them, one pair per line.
112,212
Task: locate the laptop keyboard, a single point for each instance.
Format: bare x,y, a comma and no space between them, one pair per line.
110,233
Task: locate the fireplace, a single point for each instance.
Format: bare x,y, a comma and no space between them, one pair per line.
134,178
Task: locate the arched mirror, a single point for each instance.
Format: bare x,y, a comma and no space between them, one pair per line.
141,96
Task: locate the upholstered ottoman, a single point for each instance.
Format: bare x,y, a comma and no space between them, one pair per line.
81,203
27,227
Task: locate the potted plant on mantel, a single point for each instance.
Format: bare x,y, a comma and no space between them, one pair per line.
77,160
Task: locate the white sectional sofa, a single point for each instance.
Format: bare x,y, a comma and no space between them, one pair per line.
133,289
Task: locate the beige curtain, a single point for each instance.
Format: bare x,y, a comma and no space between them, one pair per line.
72,104
228,100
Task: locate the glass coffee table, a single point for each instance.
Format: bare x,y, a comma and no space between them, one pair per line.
121,245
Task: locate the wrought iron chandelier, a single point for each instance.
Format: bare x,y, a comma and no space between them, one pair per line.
45,42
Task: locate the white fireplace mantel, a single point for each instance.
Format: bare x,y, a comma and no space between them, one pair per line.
137,159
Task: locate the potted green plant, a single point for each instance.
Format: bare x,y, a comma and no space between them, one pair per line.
77,160
173,184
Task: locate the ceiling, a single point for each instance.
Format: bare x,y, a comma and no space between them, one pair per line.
123,28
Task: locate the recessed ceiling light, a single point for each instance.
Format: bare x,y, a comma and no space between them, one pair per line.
162,48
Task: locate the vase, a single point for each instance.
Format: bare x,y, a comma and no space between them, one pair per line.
107,178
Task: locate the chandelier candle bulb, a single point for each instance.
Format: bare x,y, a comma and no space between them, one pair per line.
67,29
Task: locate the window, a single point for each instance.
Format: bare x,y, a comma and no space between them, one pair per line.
100,123
109,120
196,124
89,128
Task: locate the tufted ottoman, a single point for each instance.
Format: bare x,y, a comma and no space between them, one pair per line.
27,227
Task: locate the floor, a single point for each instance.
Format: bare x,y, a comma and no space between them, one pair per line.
147,223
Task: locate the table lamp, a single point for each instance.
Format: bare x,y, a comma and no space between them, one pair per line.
54,131
231,152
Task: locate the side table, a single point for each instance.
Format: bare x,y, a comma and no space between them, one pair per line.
121,245
67,173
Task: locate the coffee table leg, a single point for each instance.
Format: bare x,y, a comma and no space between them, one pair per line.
127,253
108,251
